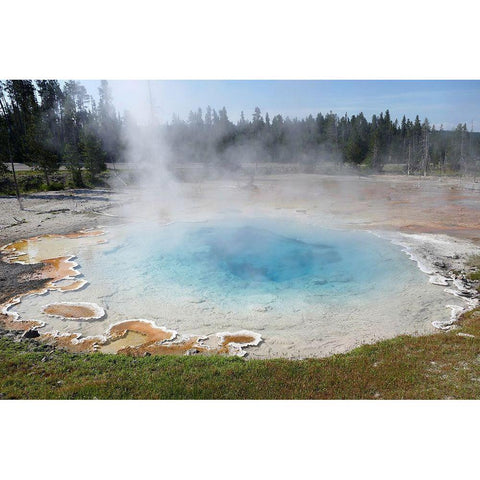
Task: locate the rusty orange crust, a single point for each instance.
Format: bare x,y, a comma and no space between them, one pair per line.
70,311
73,286
158,341
55,270
168,348
15,250
59,268
152,333
71,343
9,323
182,347
228,339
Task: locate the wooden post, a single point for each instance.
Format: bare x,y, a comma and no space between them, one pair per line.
17,191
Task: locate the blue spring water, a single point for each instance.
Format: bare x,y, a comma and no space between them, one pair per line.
236,263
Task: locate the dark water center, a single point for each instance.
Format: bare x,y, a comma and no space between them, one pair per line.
260,255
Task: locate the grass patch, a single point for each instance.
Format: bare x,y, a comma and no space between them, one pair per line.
33,181
474,262
443,365
474,276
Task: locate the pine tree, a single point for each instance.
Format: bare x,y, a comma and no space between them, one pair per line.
93,155
72,159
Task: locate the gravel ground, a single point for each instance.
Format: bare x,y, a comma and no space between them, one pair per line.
56,212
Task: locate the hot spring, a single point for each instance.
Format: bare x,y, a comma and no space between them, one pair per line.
307,290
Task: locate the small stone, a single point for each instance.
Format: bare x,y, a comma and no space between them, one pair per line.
147,354
192,351
468,335
32,333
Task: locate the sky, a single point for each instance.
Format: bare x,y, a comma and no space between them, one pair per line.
446,102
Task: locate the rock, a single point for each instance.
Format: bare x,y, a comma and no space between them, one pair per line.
32,333
192,351
147,354
438,280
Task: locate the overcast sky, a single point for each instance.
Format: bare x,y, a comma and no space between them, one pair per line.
446,102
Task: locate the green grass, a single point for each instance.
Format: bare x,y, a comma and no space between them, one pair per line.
31,181
438,366
474,262
474,276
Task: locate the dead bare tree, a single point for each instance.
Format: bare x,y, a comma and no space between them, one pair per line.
425,156
409,161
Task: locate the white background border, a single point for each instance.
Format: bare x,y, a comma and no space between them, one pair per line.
242,40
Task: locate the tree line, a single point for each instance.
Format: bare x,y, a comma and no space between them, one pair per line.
47,125
417,145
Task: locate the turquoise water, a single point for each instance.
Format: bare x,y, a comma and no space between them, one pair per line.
238,263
